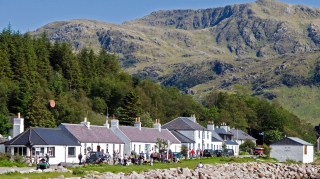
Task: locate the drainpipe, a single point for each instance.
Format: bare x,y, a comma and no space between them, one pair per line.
65,154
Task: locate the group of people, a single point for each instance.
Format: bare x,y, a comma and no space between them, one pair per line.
195,154
44,158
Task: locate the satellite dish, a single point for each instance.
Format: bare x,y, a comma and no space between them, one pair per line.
88,149
52,103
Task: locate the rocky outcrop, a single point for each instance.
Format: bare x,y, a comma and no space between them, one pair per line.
231,170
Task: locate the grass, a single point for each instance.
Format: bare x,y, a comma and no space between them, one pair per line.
46,175
82,171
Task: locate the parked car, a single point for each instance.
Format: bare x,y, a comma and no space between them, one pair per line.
176,155
95,157
258,151
228,152
43,164
219,153
208,153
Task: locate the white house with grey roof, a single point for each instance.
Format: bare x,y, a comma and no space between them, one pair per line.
193,135
226,136
35,143
142,139
292,148
95,138
240,136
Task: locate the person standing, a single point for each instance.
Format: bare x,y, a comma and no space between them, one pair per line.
80,158
47,158
125,160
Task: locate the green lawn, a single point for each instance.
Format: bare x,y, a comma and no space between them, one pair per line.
81,171
46,175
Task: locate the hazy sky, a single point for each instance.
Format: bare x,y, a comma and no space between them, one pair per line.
28,15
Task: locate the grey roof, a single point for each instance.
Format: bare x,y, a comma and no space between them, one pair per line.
231,142
222,131
43,136
215,137
93,134
241,135
291,141
148,135
183,123
182,138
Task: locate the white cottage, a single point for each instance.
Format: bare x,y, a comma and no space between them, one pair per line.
35,143
292,148
190,129
94,138
142,139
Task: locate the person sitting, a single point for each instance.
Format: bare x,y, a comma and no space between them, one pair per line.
200,165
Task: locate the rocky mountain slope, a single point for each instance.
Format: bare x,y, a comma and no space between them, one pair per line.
265,45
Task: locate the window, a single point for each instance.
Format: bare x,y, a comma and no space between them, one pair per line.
207,146
71,152
107,148
199,134
20,151
139,148
305,150
134,147
51,151
208,135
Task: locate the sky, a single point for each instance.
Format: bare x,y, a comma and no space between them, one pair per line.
28,15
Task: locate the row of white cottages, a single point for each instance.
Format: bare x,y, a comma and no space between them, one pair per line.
64,143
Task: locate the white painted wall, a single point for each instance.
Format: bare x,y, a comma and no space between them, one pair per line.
194,135
235,149
103,146
291,152
216,145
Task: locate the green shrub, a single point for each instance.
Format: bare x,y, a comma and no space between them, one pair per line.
78,172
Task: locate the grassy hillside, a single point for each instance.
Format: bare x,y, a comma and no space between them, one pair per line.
303,101
264,45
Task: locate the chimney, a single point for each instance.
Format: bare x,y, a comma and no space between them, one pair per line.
86,123
210,126
157,125
18,125
114,123
193,118
137,123
225,127
107,123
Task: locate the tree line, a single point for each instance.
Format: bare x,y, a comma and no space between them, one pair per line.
93,84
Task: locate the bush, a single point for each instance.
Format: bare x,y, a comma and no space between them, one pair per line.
266,150
77,172
4,157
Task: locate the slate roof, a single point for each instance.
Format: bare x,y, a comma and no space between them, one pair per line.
183,123
221,131
182,138
43,136
241,135
291,141
148,135
94,134
216,137
231,142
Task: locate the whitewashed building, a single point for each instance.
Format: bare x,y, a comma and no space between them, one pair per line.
188,127
143,139
240,136
292,148
94,138
35,143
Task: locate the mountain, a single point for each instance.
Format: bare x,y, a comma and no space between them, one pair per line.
268,46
